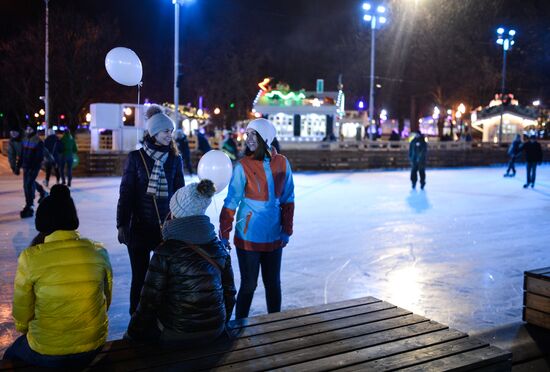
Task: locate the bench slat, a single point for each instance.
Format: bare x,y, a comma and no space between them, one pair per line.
421,356
330,356
294,313
541,273
247,339
315,340
487,359
538,286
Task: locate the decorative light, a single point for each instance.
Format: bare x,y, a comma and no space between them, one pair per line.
200,112
127,111
367,17
381,9
449,112
382,20
458,114
536,103
42,112
500,30
88,117
217,111
263,84
462,108
366,6
361,105
289,95
436,113
36,114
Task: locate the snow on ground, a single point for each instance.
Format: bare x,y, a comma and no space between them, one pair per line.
455,252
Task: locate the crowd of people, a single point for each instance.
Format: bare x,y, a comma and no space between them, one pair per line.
182,288
184,294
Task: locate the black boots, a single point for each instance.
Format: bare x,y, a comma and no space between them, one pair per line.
26,212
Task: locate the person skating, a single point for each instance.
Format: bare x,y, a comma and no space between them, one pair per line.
30,159
514,151
183,146
417,156
229,146
151,176
63,289
261,193
533,156
189,292
69,150
53,151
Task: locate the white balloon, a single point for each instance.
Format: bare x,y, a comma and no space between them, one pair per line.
124,66
216,166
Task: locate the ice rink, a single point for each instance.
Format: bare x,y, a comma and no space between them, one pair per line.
454,252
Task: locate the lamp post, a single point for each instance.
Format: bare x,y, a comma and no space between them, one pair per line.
177,73
506,40
47,70
375,14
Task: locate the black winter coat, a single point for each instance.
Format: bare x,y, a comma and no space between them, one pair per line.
184,291
136,209
533,152
54,146
417,151
32,153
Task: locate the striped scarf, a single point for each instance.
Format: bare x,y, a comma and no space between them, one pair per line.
158,185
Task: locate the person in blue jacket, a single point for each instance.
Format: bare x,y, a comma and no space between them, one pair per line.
261,194
151,176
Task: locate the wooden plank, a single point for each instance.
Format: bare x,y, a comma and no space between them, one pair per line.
420,356
540,273
537,302
247,339
330,356
485,359
294,313
315,339
537,318
538,286
314,319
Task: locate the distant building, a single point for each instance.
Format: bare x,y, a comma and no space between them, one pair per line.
516,119
300,115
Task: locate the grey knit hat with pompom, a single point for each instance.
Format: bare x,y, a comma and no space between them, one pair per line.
157,120
193,199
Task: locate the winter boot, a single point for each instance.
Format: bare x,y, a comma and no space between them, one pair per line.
414,185
26,212
42,196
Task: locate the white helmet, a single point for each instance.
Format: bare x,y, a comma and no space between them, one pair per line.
265,129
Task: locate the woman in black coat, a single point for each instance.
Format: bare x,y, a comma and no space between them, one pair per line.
151,176
189,292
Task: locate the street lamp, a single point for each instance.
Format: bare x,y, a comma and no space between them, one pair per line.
506,40
177,75
47,70
376,15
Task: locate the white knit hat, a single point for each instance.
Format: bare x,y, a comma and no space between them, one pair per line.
264,128
193,199
157,120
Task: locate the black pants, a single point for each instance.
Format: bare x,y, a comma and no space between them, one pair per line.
141,243
531,172
66,160
249,265
187,163
511,166
30,186
49,166
420,169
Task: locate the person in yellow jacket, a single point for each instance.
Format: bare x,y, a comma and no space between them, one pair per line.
62,291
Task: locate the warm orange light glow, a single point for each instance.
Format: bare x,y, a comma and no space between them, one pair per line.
263,84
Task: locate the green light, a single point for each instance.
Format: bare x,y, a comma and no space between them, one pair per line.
231,105
1,114
291,95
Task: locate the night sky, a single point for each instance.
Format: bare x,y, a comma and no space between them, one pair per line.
297,36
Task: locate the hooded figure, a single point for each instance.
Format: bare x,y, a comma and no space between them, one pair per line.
189,293
62,291
417,156
261,194
151,176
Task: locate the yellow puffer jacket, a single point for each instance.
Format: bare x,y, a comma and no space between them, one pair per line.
62,292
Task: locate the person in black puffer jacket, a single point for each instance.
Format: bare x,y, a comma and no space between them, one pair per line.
151,176
189,291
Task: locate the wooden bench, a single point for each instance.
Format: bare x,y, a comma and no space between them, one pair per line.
360,334
536,297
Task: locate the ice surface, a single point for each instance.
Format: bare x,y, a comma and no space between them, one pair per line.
455,252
